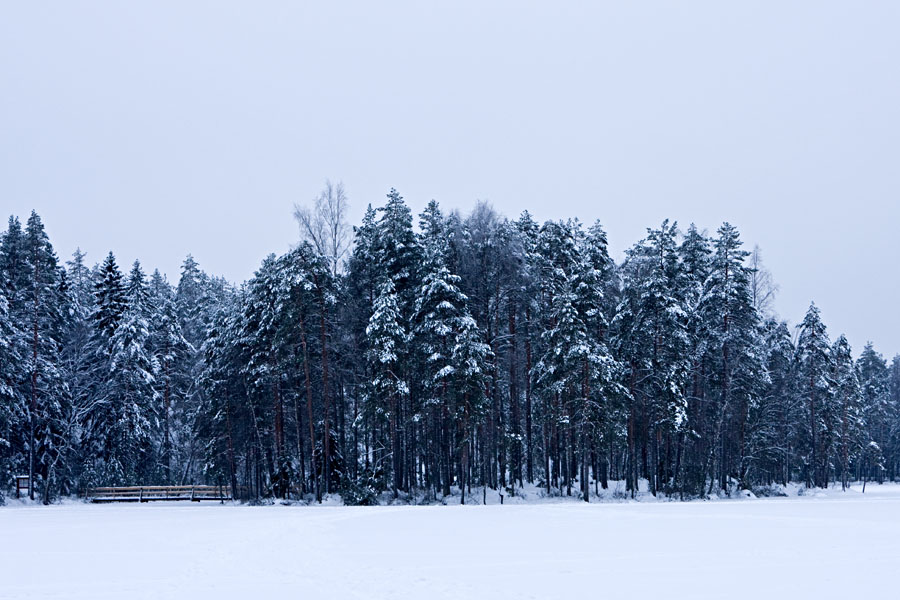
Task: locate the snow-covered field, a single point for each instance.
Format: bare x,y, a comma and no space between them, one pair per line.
830,545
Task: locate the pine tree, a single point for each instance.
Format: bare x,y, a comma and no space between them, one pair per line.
362,269
13,346
528,289
171,355
439,307
196,296
76,364
101,422
396,251
303,275
358,290
475,352
264,368
567,365
880,414
222,420
451,356
45,313
110,299
467,390
894,408
731,325
9,376
656,344
851,434
595,301
387,346
816,387
695,256
396,255
12,262
780,413
191,301
78,321
130,387
75,333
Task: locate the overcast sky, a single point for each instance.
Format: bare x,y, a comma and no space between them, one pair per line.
155,129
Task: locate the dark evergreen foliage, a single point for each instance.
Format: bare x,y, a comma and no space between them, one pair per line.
474,352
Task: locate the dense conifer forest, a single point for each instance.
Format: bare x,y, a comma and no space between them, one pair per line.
428,361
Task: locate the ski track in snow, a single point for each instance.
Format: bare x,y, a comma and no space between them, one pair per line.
824,546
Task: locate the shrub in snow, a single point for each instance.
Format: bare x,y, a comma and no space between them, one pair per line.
360,492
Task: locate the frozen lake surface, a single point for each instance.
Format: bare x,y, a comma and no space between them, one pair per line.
829,545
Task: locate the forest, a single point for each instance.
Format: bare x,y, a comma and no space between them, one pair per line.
424,360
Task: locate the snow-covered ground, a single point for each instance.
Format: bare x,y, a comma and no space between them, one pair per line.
828,545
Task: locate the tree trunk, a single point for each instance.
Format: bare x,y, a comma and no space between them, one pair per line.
515,417
167,444
230,442
314,471
395,448
326,391
528,443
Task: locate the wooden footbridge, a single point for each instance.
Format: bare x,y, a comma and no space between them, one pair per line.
192,493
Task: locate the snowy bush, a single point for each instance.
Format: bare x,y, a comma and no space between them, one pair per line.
360,491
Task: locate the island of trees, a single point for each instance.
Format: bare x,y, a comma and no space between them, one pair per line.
419,362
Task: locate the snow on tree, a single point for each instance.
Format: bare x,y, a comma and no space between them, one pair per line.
874,381
473,351
733,353
131,384
654,344
171,359
43,329
386,349
850,433
817,386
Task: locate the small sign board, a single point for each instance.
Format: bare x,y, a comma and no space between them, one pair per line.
21,485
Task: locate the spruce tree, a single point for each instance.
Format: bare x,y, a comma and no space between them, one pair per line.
880,412
130,387
9,397
223,422
816,388
528,289
851,435
694,252
191,301
44,321
564,343
474,352
302,280
13,347
110,299
386,348
733,354
396,251
656,345
171,356
102,423
264,369
780,411
467,390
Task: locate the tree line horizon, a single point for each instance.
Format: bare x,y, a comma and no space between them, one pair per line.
390,362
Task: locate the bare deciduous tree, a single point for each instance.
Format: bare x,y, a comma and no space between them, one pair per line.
324,224
762,286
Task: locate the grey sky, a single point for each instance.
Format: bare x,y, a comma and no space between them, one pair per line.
161,128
